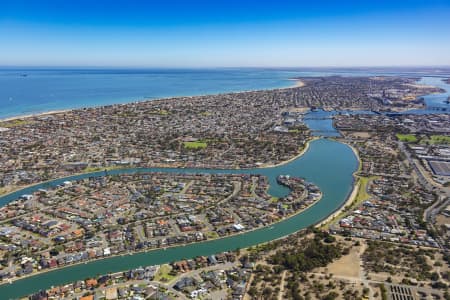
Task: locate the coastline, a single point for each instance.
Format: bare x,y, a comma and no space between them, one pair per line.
351,197
297,84
36,115
327,221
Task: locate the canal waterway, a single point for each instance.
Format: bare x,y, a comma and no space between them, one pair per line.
327,163
320,122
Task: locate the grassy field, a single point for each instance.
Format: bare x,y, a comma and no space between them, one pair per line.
96,169
8,189
409,138
163,274
212,235
195,145
439,139
273,200
14,123
362,194
432,140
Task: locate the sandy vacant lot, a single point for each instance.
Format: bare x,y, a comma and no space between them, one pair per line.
347,266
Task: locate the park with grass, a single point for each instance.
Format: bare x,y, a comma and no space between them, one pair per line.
164,274
362,194
408,138
195,145
429,140
14,123
439,139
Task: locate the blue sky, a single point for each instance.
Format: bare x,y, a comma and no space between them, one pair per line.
228,33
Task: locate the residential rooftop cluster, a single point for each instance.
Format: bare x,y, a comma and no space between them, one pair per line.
220,276
399,123
398,186
108,215
427,139
401,203
392,213
391,201
364,93
236,130
311,264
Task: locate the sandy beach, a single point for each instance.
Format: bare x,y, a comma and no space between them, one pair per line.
298,82
52,112
347,203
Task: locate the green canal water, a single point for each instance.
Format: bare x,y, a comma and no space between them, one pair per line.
327,163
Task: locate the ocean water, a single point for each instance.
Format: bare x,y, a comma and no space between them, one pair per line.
29,91
33,91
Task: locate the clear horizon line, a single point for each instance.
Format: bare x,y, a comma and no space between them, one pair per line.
216,67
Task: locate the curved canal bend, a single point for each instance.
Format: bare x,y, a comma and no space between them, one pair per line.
327,163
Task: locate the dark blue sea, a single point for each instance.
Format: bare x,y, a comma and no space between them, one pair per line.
26,91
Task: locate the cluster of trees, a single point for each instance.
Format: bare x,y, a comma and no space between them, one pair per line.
397,259
315,253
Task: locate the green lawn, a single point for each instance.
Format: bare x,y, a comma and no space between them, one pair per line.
3,191
14,123
434,139
96,169
195,145
360,197
163,274
439,139
362,194
273,200
212,235
409,138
